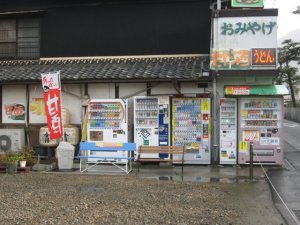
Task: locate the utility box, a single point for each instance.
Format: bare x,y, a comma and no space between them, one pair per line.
65,154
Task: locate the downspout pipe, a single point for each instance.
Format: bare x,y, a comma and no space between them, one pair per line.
215,146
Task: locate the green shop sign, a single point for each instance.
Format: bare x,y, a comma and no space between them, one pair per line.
247,3
256,90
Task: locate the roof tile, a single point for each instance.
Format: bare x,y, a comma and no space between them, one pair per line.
118,68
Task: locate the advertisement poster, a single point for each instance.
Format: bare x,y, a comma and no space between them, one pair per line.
235,59
251,135
52,100
205,105
243,146
14,104
37,111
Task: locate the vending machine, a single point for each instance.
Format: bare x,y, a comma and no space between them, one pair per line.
108,123
191,128
260,122
228,131
152,123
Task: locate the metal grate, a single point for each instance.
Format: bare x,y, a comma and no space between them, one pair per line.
297,213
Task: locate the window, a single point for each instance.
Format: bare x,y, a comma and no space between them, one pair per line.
19,39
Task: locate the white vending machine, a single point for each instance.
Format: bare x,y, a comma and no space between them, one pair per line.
228,131
152,123
191,128
108,123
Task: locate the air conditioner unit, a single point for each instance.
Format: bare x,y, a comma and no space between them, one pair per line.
12,140
44,138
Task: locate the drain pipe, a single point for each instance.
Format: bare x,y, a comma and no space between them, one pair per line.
215,116
215,146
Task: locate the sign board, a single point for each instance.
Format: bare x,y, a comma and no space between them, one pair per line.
52,99
256,90
264,56
247,3
239,41
237,90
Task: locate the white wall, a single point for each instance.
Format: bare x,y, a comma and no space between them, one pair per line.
101,91
164,89
193,89
71,100
132,89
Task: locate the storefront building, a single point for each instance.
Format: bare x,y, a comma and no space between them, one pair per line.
244,62
103,53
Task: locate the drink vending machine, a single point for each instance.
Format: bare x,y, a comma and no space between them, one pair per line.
191,128
108,123
228,131
152,123
260,120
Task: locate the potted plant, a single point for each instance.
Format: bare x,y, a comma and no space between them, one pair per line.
28,155
11,161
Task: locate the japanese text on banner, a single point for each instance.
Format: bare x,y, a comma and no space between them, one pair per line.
52,99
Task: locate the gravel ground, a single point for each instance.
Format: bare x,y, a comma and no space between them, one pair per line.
65,199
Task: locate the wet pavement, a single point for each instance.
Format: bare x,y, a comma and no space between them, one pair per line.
257,197
286,179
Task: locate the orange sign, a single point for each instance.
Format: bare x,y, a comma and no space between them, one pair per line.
264,57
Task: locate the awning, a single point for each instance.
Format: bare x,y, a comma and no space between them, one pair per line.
256,90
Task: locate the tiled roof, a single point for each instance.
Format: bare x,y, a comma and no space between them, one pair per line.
187,67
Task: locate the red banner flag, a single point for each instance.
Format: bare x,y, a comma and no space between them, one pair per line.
52,100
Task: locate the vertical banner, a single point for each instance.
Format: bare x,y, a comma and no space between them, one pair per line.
52,99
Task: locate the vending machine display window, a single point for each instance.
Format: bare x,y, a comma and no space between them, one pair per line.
191,128
228,130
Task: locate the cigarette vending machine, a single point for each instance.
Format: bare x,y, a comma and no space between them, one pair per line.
108,123
228,131
191,128
260,122
152,123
